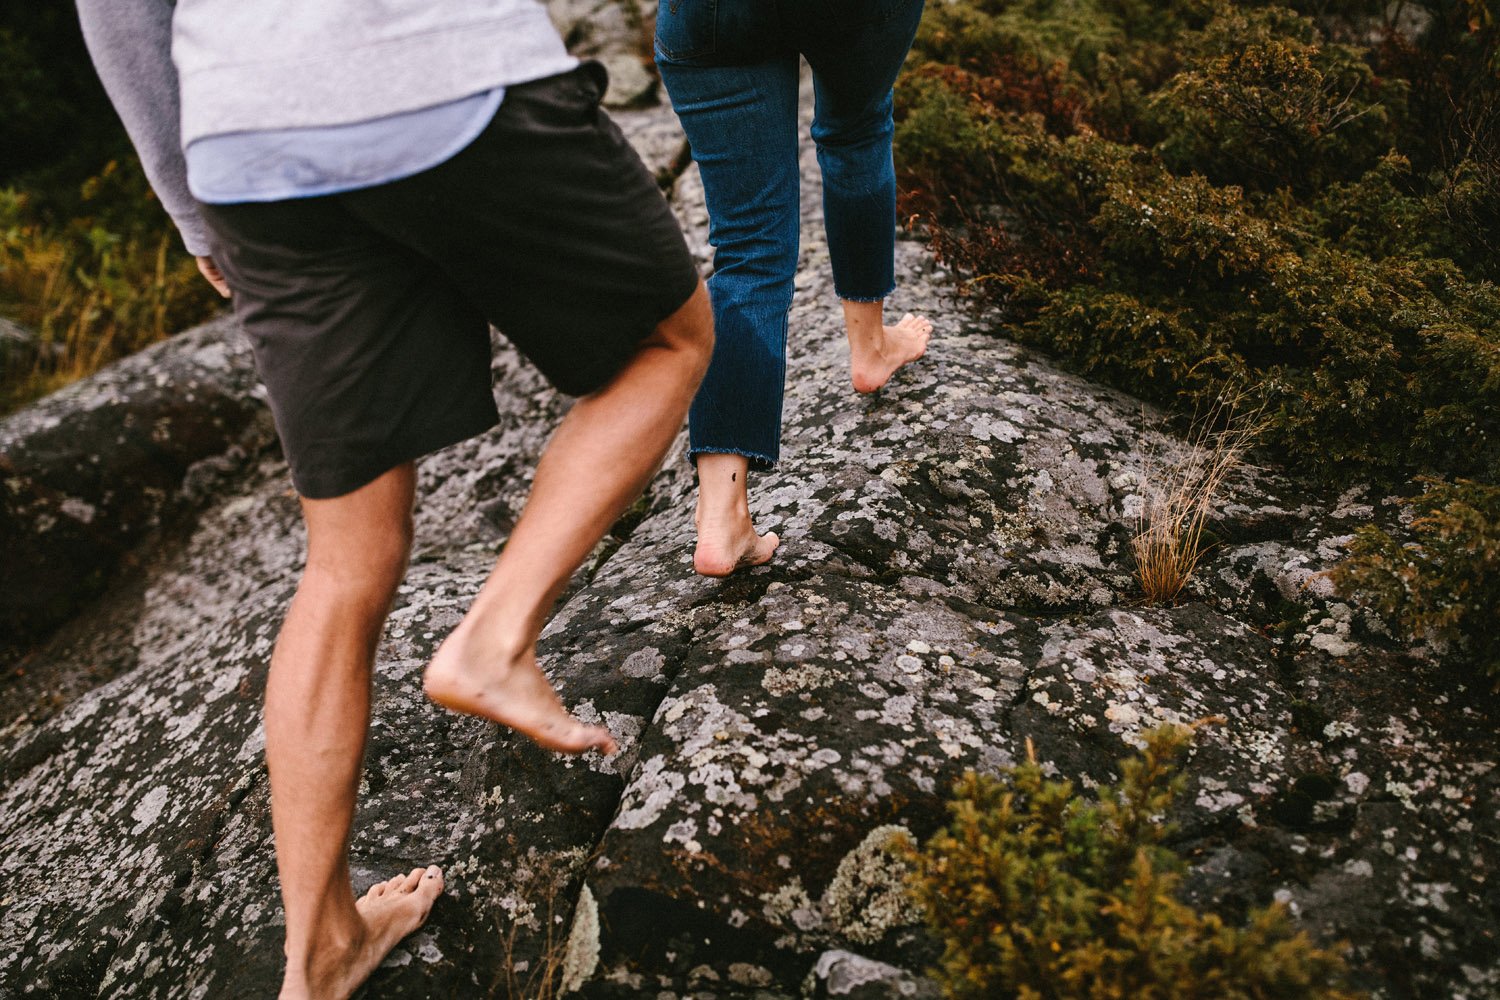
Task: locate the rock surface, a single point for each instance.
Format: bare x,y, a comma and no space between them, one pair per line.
90,471
954,580
20,347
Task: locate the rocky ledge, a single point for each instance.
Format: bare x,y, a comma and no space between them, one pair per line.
954,580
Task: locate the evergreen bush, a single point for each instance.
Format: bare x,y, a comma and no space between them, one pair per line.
1445,583
1178,197
1039,893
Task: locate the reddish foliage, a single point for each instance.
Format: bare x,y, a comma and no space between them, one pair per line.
1020,85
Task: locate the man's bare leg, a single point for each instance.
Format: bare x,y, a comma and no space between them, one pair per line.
598,462
877,350
317,714
727,540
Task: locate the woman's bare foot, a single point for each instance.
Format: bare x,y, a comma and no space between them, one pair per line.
472,675
726,547
727,539
876,350
386,914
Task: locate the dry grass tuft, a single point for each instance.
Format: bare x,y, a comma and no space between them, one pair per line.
1180,495
539,958
522,980
91,293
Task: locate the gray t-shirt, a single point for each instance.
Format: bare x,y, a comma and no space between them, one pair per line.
180,72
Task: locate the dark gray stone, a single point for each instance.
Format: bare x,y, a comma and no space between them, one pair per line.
89,472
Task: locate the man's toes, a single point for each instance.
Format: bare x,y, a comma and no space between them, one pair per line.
584,738
413,879
598,738
378,889
431,881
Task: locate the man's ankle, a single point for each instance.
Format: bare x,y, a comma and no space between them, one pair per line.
490,637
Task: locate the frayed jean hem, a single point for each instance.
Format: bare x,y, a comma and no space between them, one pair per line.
862,298
758,461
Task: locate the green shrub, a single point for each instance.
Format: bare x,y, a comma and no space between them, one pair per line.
1265,102
1039,893
1445,583
1256,227
96,287
1176,197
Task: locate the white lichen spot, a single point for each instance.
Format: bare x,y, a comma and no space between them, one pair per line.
791,904
78,510
868,896
581,957
149,809
746,974
908,663
648,662
1338,730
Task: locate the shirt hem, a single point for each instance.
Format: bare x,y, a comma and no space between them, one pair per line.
471,131
387,78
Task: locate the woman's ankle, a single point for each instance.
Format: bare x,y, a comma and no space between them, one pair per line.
723,493
863,320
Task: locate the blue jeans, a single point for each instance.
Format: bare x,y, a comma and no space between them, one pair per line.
731,68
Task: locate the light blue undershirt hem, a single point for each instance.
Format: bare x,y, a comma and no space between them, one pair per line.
279,164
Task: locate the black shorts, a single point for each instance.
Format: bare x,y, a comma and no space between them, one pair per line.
369,311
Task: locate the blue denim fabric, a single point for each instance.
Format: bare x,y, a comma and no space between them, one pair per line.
731,67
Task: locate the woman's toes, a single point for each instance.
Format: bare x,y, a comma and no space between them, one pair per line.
766,547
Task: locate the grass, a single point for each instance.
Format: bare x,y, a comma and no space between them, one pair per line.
95,287
1181,495
533,925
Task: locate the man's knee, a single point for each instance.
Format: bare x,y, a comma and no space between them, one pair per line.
690,330
358,544
366,571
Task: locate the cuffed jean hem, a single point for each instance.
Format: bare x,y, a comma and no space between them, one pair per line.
863,298
758,461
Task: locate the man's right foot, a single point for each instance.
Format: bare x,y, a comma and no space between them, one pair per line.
387,913
724,548
471,676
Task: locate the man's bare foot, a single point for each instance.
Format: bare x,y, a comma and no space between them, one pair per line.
386,914
478,678
724,547
873,359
